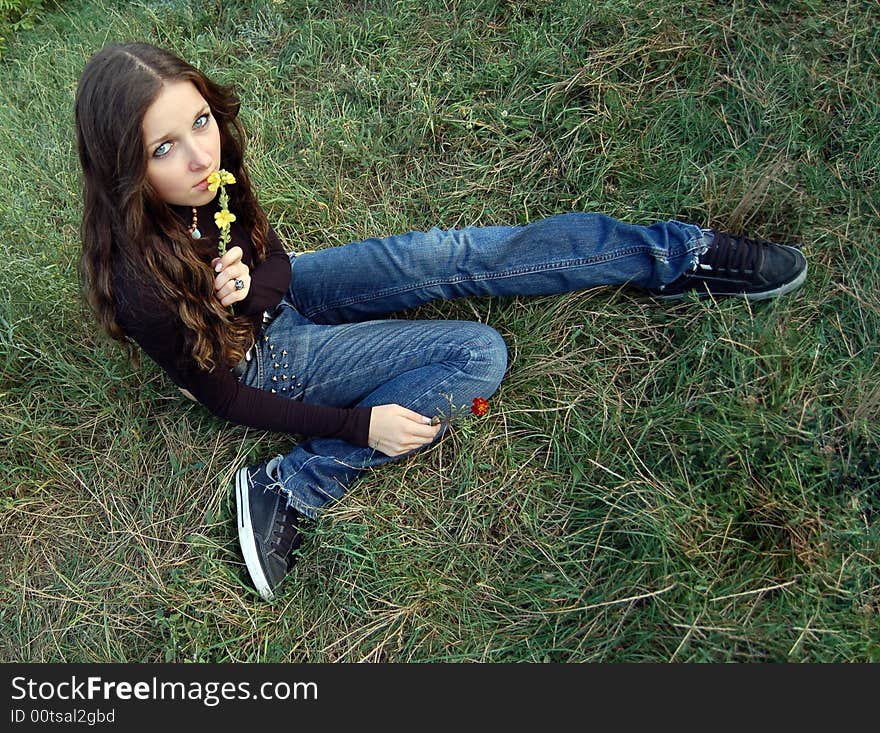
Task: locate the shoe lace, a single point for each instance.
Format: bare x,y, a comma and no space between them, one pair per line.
285,534
731,253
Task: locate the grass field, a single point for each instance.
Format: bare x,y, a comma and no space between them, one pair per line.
696,482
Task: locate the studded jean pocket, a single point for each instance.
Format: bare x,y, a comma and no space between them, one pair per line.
281,376
281,341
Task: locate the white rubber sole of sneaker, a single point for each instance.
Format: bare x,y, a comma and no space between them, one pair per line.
246,537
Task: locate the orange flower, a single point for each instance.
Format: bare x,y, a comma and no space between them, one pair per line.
480,406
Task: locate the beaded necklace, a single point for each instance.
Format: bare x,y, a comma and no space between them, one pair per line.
194,227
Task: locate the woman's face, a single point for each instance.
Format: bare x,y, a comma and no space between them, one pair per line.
183,145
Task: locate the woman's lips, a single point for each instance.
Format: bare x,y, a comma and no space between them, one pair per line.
202,185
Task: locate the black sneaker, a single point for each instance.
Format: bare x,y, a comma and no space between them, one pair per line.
731,265
267,527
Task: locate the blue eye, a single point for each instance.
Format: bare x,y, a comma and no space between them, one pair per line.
200,123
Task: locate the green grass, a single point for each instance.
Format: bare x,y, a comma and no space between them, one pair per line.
689,482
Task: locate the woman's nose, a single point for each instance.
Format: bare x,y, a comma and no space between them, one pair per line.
199,158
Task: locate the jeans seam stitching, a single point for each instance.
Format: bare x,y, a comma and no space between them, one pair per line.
516,272
461,346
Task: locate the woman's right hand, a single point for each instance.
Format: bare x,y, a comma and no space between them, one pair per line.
395,430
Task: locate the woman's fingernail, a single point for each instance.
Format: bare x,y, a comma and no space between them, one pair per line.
218,267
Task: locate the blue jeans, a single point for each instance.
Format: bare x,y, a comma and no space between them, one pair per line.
330,349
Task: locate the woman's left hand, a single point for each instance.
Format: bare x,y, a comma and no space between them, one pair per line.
233,281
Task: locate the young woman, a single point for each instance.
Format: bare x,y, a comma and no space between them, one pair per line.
296,343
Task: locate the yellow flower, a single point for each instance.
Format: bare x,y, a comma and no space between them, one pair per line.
224,218
220,178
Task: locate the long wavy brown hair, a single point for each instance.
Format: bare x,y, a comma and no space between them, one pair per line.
124,220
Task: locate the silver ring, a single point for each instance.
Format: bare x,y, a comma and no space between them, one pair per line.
239,283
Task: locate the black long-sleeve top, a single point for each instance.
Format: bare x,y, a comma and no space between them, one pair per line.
158,330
